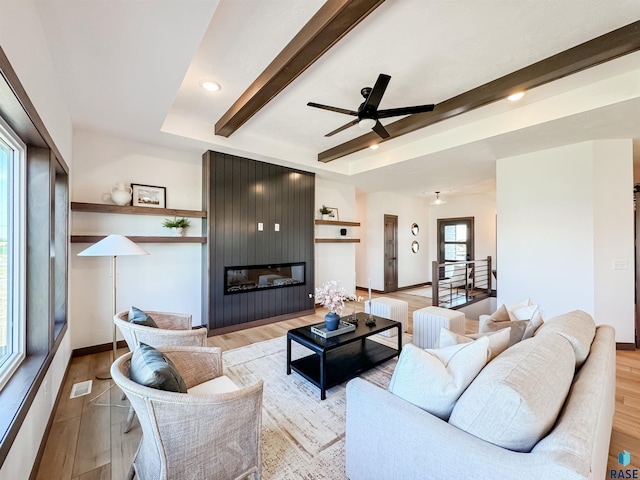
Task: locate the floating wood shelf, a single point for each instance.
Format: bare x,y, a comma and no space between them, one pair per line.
336,222
337,240
129,210
97,238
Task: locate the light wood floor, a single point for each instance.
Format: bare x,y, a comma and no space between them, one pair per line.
87,441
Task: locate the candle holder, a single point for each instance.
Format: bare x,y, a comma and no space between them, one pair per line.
354,318
371,320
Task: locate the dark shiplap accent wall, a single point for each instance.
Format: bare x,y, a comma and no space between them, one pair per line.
239,193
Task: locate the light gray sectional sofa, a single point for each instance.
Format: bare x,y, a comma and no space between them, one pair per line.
390,438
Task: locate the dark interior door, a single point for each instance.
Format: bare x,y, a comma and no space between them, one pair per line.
390,253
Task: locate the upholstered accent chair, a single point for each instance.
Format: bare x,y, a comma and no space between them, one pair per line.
198,434
174,329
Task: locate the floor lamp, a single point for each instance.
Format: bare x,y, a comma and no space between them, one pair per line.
112,246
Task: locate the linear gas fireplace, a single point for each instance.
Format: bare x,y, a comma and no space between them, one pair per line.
261,277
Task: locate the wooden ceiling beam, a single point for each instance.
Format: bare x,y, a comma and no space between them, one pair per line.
602,49
333,21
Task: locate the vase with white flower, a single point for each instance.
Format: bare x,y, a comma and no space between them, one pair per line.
332,296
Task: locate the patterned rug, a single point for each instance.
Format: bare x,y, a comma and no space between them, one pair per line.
302,436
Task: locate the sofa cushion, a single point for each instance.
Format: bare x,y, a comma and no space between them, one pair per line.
577,327
149,367
498,340
139,317
515,400
221,384
434,379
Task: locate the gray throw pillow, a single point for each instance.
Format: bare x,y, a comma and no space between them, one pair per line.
518,329
138,317
149,367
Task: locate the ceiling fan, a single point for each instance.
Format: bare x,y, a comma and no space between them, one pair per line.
368,113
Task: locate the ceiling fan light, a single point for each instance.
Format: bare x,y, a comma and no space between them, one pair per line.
366,123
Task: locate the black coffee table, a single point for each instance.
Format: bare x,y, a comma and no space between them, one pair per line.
345,356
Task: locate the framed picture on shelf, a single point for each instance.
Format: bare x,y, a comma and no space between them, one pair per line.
149,196
333,214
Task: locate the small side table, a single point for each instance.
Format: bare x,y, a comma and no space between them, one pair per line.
428,321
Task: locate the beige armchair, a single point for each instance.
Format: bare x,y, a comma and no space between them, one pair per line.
174,329
194,436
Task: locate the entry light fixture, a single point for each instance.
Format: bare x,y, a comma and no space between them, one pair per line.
438,200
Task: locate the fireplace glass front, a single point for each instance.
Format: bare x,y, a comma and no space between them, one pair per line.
260,277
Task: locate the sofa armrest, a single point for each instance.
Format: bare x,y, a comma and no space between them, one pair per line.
387,437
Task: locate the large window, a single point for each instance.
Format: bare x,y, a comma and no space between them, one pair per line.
12,239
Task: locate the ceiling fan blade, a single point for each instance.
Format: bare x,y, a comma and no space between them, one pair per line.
333,109
344,127
374,98
380,130
394,112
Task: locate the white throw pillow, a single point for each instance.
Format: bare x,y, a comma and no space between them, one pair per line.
433,380
498,341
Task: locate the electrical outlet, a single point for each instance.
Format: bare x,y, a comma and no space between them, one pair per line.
620,265
260,226
277,227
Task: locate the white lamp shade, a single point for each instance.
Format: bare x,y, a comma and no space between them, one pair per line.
113,246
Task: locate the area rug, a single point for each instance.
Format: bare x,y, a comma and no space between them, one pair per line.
421,292
302,436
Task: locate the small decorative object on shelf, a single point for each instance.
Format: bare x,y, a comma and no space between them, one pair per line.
332,296
325,211
177,225
120,194
149,196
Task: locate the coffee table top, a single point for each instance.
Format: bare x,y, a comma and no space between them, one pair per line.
362,330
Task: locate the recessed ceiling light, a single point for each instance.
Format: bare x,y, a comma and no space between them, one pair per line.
210,86
515,96
374,146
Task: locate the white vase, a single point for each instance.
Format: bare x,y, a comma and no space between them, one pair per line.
120,194
177,231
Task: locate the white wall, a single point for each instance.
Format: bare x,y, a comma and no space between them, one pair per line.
169,279
336,261
413,268
564,216
482,207
22,40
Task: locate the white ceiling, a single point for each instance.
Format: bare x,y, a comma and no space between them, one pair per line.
132,68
